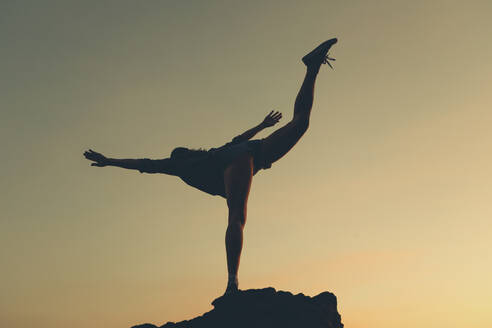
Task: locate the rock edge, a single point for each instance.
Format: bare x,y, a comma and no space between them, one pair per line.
258,308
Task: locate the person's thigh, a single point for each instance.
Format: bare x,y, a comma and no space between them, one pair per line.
237,178
277,144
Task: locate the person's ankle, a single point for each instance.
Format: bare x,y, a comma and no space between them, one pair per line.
313,69
232,279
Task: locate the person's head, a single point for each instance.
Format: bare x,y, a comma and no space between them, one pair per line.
184,153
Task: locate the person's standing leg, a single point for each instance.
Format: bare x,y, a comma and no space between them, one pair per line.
237,179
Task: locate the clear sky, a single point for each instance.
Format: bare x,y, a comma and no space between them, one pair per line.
384,202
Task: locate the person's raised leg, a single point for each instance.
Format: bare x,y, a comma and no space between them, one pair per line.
277,144
237,179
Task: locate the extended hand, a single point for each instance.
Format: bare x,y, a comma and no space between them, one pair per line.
99,159
272,118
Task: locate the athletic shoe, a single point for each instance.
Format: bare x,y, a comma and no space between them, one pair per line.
320,54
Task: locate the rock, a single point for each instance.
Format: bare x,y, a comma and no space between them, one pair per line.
262,308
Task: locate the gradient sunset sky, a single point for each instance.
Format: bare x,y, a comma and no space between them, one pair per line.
386,201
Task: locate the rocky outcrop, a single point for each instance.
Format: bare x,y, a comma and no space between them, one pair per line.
262,308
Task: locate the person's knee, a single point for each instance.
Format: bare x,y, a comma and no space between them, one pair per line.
237,217
301,124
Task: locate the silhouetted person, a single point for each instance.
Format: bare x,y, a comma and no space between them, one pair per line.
228,170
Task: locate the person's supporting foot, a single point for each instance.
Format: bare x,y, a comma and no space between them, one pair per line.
232,288
319,55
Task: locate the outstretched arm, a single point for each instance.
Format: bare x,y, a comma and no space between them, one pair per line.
166,166
270,120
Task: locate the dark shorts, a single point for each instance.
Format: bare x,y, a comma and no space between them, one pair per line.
207,174
227,154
